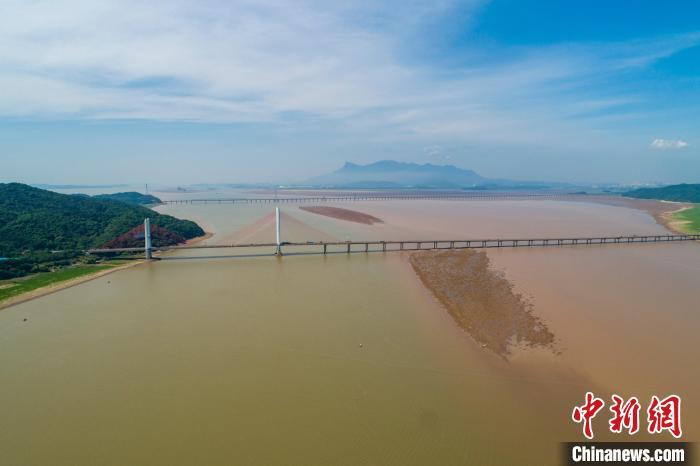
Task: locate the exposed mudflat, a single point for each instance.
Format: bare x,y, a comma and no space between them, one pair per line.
481,300
343,214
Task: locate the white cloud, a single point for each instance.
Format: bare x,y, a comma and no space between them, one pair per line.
668,144
306,60
436,153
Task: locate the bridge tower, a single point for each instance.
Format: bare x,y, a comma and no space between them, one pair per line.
277,231
147,248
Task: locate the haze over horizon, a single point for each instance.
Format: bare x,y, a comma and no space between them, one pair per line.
107,91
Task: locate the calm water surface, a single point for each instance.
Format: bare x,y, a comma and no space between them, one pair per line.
343,359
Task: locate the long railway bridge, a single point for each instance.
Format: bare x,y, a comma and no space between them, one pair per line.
395,196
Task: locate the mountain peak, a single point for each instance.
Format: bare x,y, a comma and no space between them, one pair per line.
394,174
395,165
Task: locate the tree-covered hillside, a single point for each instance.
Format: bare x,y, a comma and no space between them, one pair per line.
676,192
33,220
131,197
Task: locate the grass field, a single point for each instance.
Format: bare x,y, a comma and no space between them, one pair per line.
15,287
692,216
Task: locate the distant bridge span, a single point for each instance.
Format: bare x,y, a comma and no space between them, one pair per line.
398,196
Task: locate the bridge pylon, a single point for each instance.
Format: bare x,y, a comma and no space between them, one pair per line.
277,232
147,248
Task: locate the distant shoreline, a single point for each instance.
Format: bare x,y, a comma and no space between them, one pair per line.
661,211
665,216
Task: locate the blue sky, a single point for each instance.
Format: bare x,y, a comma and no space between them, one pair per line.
185,91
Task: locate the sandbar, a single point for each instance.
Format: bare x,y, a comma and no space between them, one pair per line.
343,214
481,300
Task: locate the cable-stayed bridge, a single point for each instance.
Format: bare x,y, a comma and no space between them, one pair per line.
330,247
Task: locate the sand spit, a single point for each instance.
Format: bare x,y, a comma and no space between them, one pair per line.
481,300
343,214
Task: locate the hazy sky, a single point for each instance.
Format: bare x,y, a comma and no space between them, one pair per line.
191,91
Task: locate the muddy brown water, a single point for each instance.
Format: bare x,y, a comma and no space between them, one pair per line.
345,359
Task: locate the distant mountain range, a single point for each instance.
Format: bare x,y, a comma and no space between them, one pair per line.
676,192
389,174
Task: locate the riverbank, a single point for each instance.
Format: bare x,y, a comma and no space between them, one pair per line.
24,289
199,239
685,220
664,212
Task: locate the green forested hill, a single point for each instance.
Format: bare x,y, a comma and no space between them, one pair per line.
131,198
676,192
32,219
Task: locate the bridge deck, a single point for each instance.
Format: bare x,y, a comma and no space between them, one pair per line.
403,245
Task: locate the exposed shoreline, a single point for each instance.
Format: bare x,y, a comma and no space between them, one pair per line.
668,220
199,239
661,211
54,287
